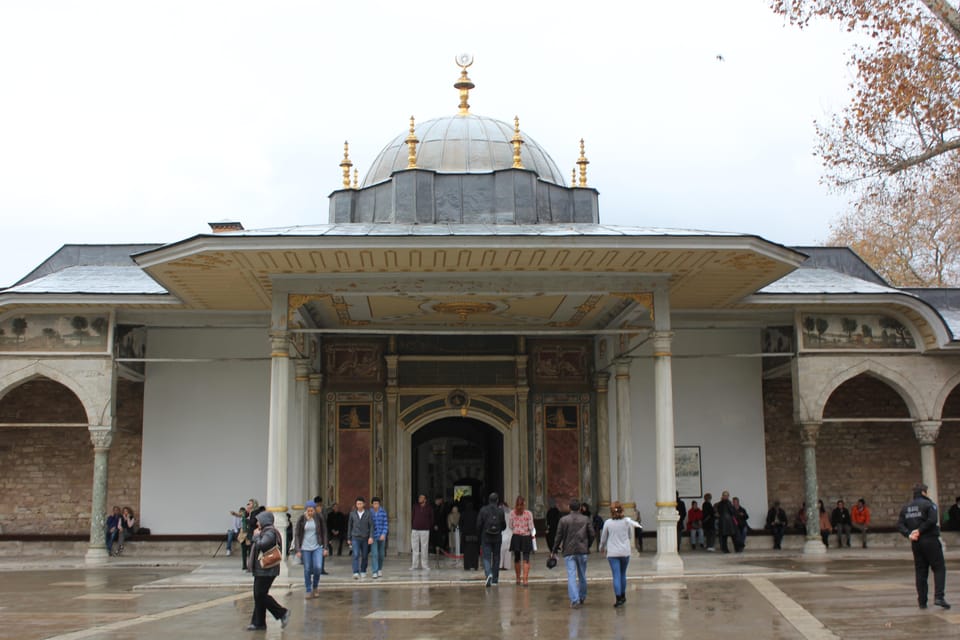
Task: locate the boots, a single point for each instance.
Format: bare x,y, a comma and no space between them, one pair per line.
526,573
620,601
516,567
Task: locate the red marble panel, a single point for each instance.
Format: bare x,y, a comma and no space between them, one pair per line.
563,463
353,467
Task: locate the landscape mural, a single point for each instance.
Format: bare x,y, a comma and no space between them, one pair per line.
854,332
54,332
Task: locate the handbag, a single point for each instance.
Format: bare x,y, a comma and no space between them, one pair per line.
271,557
242,536
552,561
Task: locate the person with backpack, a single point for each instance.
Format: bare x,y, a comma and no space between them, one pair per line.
574,539
491,523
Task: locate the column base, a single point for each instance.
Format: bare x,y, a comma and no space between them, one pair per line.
668,563
96,556
813,548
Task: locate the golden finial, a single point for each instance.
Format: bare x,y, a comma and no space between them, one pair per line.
345,165
573,177
464,84
516,141
582,162
411,147
356,178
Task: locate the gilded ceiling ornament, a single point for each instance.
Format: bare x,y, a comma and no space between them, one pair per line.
297,300
644,299
464,309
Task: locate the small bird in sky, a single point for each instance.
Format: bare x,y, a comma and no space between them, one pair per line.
719,58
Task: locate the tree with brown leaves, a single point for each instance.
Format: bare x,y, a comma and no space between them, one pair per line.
897,143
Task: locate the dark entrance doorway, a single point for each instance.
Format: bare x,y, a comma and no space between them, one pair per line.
457,452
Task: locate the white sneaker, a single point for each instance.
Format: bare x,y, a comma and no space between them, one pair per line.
356,576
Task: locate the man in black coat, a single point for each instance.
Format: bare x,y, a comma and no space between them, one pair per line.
491,522
919,521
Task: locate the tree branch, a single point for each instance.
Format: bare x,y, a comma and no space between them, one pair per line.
932,152
946,14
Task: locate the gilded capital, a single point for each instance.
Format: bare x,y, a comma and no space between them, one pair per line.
315,383
101,437
662,342
926,431
601,380
808,433
302,369
279,344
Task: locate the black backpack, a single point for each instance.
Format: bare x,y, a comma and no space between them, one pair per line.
497,523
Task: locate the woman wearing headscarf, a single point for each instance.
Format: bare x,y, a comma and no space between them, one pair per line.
310,541
615,540
265,537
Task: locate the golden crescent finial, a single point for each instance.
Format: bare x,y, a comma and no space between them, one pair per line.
411,147
516,141
345,164
464,84
582,162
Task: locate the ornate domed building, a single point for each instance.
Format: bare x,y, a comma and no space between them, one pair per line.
464,323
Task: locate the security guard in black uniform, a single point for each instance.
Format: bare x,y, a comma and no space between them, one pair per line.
919,522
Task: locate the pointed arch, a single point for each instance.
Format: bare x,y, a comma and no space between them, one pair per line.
897,381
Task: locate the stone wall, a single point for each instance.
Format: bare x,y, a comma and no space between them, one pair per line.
878,461
46,473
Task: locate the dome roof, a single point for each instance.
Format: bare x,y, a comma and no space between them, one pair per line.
463,143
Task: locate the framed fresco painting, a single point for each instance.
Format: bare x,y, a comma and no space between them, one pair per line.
687,471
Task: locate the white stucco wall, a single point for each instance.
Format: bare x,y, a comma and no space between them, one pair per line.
718,405
204,428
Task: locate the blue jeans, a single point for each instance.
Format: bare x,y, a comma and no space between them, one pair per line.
618,566
491,557
312,566
361,548
111,538
576,576
231,535
377,551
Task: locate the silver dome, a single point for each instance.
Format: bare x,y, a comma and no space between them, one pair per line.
463,144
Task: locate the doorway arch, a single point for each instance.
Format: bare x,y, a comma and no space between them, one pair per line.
403,496
456,452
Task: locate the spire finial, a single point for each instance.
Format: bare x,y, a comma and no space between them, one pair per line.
573,177
516,141
345,164
464,84
356,178
582,162
411,147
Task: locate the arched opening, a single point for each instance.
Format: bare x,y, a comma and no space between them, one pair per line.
42,401
456,454
866,447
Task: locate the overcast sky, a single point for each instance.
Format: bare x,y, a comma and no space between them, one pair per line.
141,122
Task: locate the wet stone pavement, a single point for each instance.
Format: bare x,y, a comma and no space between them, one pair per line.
745,597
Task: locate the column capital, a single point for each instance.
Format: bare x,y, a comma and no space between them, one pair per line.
926,431
315,383
662,343
809,431
302,368
623,367
279,344
601,380
101,437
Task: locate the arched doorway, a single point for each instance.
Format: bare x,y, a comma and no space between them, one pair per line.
456,453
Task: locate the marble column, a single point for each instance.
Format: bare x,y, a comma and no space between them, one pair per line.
393,464
299,435
601,383
813,545
314,440
624,448
667,559
277,433
926,432
101,437
523,397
